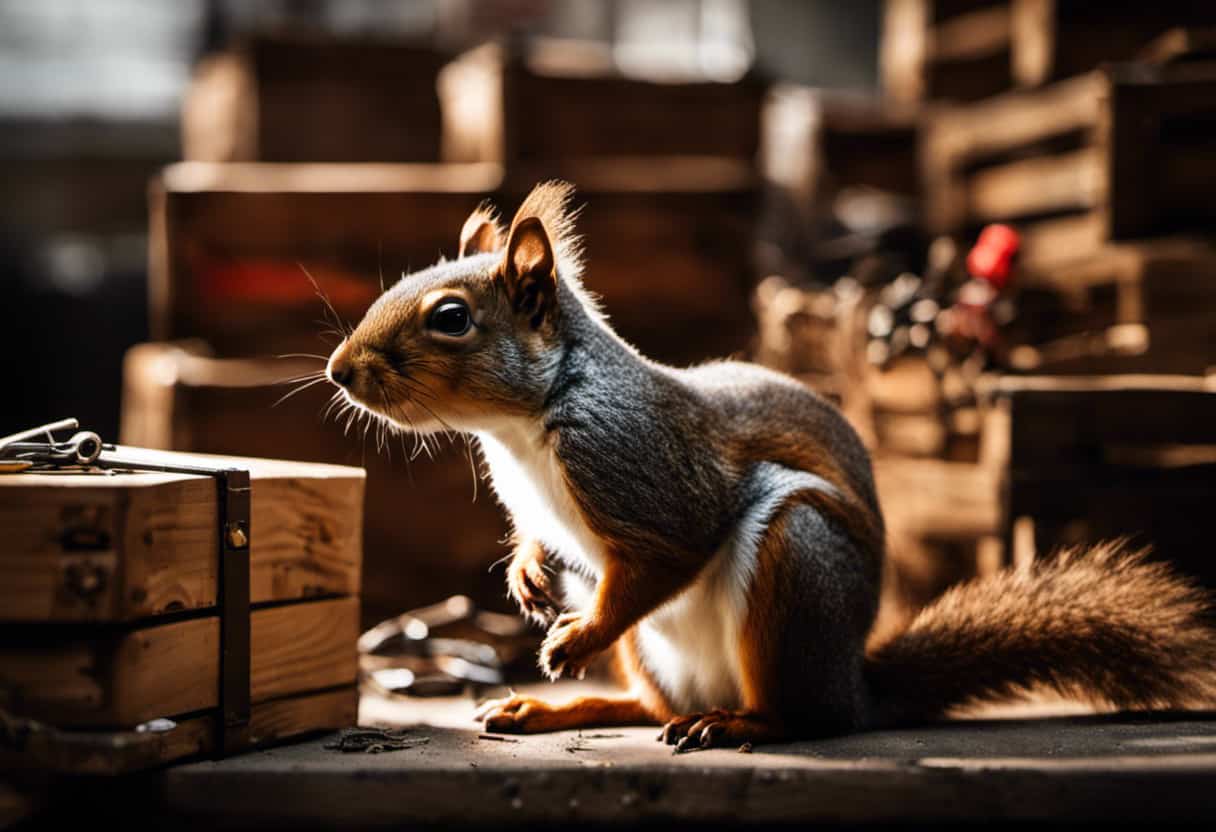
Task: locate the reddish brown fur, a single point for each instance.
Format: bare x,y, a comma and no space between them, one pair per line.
1105,625
481,232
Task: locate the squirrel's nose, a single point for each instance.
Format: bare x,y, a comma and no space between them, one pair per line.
341,374
340,369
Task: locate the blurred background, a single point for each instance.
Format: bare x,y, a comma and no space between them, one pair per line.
981,227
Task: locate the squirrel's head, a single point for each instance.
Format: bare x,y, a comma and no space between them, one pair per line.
471,340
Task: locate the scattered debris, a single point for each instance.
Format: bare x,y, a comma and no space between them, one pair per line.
583,736
746,748
495,738
375,740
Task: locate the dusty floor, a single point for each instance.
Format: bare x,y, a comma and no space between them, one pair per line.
1035,767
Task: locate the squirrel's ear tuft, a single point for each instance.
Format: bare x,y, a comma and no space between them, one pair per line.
481,232
529,271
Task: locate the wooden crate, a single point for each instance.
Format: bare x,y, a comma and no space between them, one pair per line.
87,547
1055,39
945,50
293,98
1121,152
1109,456
232,245
968,50
1152,301
668,245
110,620
424,535
502,107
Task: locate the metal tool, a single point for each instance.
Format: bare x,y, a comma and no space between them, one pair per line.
20,451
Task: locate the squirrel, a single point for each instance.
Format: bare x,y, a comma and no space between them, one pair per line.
719,527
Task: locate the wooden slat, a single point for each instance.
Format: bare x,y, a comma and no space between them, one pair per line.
1129,143
939,500
172,669
954,138
554,104
944,51
52,750
125,546
1067,182
1066,421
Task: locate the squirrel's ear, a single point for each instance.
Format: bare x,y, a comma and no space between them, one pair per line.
529,271
480,233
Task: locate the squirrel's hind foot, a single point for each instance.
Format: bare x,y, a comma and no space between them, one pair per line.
720,729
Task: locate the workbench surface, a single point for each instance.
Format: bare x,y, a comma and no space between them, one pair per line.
1118,767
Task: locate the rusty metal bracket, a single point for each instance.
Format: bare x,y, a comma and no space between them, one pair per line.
233,492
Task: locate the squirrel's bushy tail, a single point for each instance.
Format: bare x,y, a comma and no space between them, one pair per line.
1105,625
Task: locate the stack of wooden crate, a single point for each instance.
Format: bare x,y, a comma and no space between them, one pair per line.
115,606
1103,168
966,50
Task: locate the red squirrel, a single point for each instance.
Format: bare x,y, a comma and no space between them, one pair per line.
719,525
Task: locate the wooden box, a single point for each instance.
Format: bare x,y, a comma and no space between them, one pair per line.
232,245
668,245
1151,305
501,107
111,615
430,528
967,50
282,98
1122,152
1103,457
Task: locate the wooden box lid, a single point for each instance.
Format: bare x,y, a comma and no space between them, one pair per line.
124,546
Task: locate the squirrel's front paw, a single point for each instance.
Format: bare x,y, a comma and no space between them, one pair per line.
529,585
569,647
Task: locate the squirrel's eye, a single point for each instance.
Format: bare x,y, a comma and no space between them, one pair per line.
451,317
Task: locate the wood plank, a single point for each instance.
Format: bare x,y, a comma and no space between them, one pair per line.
1040,761
289,97
553,104
116,547
1006,122
1053,40
954,138
935,51
1068,421
985,31
52,750
1143,163
936,499
1066,239
1074,181
172,669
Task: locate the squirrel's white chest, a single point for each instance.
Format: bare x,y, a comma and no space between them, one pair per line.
530,484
